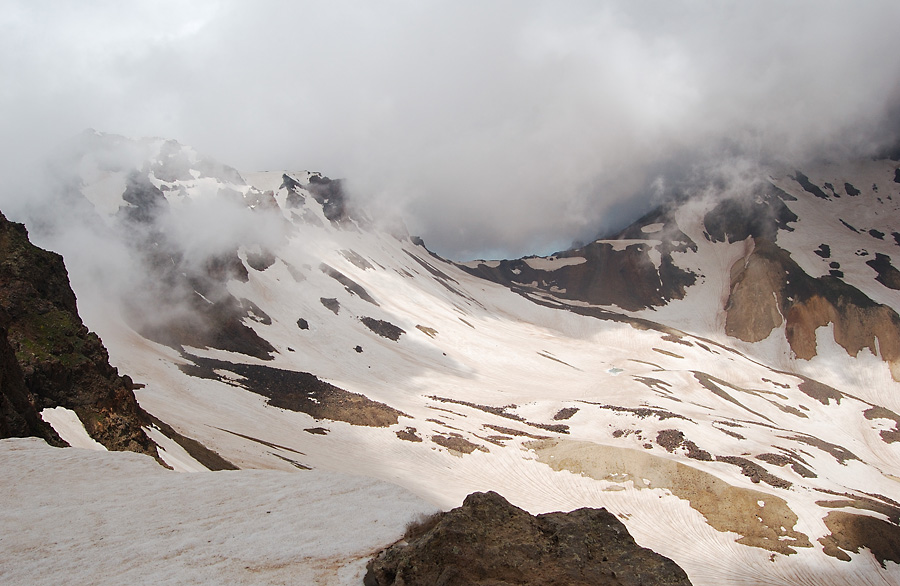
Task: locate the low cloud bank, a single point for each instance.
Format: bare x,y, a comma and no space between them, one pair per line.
497,130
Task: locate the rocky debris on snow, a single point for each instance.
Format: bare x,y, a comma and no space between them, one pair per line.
809,186
489,542
59,362
670,439
456,443
349,284
795,461
383,328
565,413
296,391
888,275
504,412
331,304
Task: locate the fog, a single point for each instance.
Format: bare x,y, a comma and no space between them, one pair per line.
493,129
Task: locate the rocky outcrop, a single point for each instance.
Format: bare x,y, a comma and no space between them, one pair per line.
488,541
60,362
18,416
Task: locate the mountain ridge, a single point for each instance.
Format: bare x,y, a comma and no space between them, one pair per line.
555,401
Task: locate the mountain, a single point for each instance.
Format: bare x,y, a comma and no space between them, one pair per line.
721,375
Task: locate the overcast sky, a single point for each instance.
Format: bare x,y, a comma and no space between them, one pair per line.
495,128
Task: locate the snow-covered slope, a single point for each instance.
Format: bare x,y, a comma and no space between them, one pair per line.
325,342
73,516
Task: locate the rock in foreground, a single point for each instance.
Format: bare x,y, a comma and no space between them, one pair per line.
488,541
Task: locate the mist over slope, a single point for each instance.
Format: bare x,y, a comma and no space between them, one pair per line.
499,130
648,373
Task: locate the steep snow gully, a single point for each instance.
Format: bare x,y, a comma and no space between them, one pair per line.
721,376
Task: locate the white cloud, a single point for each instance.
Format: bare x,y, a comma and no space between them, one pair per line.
509,127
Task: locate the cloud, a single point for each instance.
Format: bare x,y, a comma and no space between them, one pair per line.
503,128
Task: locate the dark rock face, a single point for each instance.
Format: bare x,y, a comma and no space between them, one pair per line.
609,275
18,416
888,275
200,312
488,541
759,216
60,362
330,194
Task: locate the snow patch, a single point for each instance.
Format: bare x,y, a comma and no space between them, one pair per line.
66,423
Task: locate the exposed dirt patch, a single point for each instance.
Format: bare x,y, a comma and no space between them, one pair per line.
888,435
296,391
769,525
302,324
667,353
820,392
430,332
316,430
554,359
408,434
385,329
850,532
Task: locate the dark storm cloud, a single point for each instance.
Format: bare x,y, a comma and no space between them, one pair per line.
503,127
